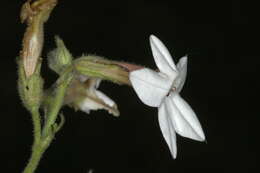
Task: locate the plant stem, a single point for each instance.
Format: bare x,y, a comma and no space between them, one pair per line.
43,138
36,148
57,102
37,151
36,126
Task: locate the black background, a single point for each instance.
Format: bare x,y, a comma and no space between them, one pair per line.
221,42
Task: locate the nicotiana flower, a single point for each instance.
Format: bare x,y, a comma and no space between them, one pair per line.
161,89
83,94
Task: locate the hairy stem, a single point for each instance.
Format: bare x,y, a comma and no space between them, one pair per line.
43,138
36,126
36,148
57,102
37,151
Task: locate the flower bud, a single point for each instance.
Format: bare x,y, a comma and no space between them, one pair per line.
60,57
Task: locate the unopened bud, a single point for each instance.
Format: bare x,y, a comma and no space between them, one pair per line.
60,57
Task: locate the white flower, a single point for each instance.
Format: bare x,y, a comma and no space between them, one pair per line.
161,89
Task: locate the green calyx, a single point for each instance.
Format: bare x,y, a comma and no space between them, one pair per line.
30,88
59,58
97,67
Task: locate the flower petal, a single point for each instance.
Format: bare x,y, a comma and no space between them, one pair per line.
105,98
167,128
150,86
185,120
162,56
88,104
182,69
97,100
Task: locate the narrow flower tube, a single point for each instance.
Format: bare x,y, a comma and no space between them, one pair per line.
97,67
60,57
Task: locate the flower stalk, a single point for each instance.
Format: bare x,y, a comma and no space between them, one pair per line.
35,159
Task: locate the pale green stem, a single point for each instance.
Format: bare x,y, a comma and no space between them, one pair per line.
36,149
36,125
43,139
37,152
57,102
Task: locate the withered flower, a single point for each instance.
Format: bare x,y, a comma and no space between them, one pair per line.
35,15
83,94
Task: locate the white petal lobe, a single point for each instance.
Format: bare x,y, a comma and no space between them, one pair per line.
163,50
162,56
87,105
150,86
182,69
105,98
167,129
186,121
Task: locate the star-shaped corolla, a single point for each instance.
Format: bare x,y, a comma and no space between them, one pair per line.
161,89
